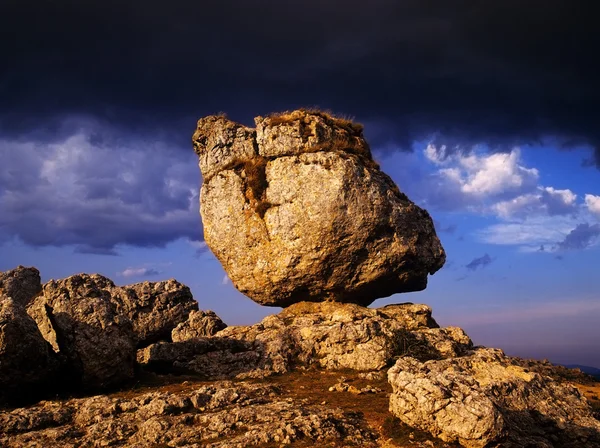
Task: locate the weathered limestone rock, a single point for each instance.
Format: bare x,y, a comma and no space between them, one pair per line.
220,415
77,316
154,308
21,284
297,210
27,362
198,325
485,400
328,335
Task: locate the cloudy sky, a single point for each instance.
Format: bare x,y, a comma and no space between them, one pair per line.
485,113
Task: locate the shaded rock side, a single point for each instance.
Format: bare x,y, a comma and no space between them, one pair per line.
485,400
21,284
198,325
154,308
328,335
95,343
297,210
27,361
220,415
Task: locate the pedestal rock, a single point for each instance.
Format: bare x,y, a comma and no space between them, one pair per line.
297,210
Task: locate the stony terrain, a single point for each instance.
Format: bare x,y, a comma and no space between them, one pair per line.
300,216
314,374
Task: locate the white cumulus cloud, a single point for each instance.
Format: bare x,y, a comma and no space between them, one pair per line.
593,203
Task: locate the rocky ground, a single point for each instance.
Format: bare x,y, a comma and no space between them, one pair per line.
80,366
307,407
302,408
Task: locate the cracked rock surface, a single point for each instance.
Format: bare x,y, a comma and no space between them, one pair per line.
27,361
219,415
487,399
95,344
297,210
21,284
199,324
327,335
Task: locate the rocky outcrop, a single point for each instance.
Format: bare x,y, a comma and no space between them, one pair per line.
485,400
95,343
219,415
27,362
328,335
199,324
297,210
154,308
21,284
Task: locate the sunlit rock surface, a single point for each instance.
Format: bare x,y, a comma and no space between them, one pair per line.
297,210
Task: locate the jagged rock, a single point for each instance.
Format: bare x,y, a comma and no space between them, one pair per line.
485,400
198,325
220,415
21,284
328,335
297,210
210,358
77,316
557,372
154,308
27,362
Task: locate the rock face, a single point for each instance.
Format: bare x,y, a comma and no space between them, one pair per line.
297,210
486,399
199,324
154,308
95,343
220,415
328,335
27,362
21,284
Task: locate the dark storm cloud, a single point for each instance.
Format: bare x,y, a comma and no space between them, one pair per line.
580,237
467,71
480,262
95,194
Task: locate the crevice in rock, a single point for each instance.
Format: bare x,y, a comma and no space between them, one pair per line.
253,173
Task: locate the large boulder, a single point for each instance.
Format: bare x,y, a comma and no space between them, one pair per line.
297,210
154,308
96,344
487,399
21,284
27,362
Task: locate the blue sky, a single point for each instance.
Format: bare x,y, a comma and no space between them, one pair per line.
521,229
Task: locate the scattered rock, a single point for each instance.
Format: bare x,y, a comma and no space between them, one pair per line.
78,318
345,387
297,210
217,416
198,325
27,362
21,284
328,335
154,308
376,375
484,399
